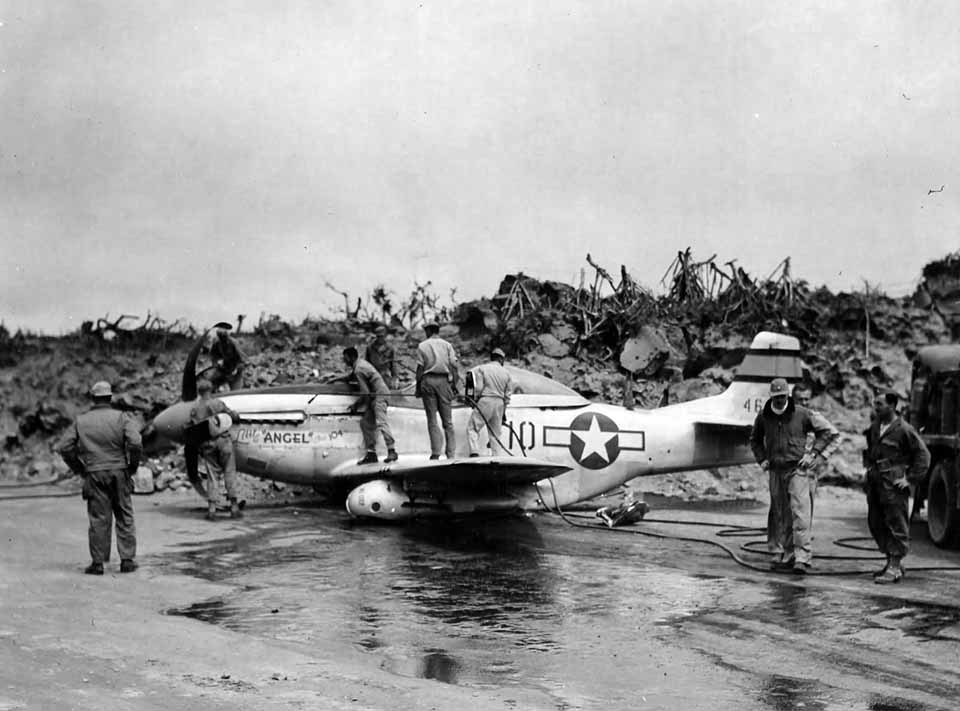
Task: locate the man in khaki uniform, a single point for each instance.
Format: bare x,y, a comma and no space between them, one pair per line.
802,395
217,450
437,382
374,419
492,386
381,355
103,446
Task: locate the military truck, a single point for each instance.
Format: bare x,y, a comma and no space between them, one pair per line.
934,411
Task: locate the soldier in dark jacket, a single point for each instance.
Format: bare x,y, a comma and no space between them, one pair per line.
779,443
103,446
228,361
896,458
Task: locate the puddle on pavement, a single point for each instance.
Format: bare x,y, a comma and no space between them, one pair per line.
784,693
494,606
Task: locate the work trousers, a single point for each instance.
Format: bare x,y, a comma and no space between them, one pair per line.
487,417
218,453
109,496
233,379
789,522
437,395
888,517
373,420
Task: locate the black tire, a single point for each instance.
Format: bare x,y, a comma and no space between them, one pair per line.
943,517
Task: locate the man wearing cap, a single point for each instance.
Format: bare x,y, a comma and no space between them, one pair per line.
218,450
492,386
778,441
104,448
227,361
374,419
437,382
896,458
381,356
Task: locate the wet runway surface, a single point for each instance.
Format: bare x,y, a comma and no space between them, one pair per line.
588,618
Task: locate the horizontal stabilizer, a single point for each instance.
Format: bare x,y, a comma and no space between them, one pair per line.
720,423
462,471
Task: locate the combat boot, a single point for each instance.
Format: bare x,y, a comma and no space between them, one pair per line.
211,511
370,458
886,565
235,511
391,455
779,562
128,565
94,569
893,573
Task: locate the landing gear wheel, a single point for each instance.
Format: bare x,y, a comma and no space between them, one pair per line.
943,517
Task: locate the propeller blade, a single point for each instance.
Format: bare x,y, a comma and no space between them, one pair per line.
188,391
191,453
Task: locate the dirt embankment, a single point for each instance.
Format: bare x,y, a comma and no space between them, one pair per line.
692,339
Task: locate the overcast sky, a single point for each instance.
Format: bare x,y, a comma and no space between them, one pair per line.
204,159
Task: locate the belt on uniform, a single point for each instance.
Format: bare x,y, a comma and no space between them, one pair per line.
792,464
439,375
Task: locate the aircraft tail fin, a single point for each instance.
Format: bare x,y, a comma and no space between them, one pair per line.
771,355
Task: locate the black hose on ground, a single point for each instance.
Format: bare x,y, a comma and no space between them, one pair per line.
726,530
732,531
32,484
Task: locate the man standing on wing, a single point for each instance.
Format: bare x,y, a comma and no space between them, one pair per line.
437,382
492,386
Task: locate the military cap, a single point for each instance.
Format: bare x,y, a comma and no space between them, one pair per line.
778,386
101,388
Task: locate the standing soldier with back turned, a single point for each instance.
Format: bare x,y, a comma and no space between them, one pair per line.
492,386
437,381
896,457
103,446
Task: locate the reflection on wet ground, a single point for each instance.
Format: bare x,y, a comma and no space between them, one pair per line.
593,621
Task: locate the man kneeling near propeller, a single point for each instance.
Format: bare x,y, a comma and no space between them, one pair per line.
217,449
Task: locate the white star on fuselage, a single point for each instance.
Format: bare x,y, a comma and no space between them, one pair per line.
594,440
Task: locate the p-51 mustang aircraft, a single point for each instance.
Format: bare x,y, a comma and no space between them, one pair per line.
565,448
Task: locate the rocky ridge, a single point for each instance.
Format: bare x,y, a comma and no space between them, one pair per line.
688,340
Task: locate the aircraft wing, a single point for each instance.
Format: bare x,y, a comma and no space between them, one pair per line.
460,472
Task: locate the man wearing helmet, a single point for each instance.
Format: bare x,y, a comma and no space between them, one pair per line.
104,448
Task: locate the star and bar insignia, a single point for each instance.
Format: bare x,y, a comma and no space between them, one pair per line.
594,440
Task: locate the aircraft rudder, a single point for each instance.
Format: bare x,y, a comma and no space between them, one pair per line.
771,355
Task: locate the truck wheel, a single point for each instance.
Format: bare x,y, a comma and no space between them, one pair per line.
943,517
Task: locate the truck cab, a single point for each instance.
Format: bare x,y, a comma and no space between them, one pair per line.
934,411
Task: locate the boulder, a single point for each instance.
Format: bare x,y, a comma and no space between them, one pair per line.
647,352
553,346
